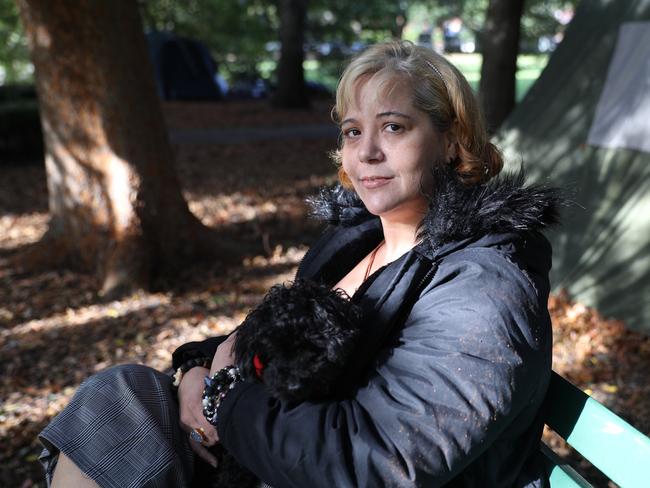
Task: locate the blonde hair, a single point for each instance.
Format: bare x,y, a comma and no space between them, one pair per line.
439,90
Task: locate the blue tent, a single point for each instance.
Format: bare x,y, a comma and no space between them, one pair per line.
184,68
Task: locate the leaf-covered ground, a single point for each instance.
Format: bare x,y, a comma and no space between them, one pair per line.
54,332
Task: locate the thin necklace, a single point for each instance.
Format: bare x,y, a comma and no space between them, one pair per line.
372,260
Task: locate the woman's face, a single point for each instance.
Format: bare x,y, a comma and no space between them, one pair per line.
388,150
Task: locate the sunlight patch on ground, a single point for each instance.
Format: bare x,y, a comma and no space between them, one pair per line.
76,317
20,230
234,208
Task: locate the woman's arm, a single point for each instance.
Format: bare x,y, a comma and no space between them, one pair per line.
473,355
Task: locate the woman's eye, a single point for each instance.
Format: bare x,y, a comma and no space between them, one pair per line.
393,127
351,132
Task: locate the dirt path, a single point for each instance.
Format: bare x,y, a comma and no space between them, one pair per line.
246,135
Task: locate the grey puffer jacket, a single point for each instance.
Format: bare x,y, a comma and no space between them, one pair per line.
448,387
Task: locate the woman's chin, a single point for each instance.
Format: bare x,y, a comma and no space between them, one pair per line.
406,212
376,207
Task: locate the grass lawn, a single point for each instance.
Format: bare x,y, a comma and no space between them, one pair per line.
530,66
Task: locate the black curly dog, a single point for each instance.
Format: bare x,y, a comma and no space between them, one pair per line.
297,342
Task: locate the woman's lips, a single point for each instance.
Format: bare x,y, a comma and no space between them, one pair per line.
372,182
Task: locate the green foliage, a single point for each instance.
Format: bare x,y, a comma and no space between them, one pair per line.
342,25
243,34
346,22
237,31
537,20
529,66
14,55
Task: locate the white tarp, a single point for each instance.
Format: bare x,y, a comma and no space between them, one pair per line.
622,119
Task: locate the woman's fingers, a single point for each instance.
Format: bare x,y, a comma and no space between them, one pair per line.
194,420
203,453
209,430
191,406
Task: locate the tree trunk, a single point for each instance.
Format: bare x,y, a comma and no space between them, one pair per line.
115,202
291,91
500,46
398,26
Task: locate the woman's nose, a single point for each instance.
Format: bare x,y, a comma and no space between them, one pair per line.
370,150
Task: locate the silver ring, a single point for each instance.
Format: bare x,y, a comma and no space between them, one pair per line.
198,435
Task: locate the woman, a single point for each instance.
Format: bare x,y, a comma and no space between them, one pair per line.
451,273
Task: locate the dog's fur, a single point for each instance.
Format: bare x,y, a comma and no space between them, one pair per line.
304,334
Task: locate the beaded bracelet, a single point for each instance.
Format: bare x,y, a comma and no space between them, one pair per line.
203,362
215,390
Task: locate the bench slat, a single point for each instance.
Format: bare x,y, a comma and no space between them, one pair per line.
561,474
616,448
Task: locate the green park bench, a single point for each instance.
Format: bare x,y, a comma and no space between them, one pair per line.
612,445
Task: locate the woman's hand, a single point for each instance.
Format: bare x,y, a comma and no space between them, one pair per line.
190,391
224,355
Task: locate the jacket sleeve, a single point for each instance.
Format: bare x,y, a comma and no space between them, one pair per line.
468,360
199,349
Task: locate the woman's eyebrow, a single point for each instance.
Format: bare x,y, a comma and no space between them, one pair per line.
392,113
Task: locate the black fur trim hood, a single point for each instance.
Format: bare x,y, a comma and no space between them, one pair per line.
457,212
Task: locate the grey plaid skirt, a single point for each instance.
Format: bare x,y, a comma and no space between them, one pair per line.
121,429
